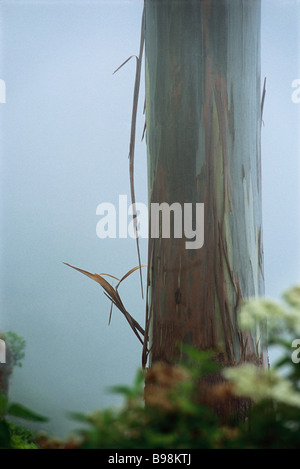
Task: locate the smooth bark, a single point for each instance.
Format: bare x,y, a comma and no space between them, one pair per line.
203,121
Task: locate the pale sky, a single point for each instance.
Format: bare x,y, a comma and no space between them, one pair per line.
64,141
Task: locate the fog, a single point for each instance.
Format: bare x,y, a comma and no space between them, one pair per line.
65,130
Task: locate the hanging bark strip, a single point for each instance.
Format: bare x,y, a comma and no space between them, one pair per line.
133,134
132,138
263,99
113,295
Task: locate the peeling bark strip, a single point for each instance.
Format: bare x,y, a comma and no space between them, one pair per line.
203,120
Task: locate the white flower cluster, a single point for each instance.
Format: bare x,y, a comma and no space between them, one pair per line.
259,384
283,318
277,316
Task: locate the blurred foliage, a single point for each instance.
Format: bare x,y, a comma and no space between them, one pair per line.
170,419
21,437
274,418
14,436
16,345
164,408
197,403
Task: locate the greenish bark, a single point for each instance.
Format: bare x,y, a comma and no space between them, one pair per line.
203,142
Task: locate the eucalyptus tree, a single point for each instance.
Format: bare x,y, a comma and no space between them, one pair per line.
203,133
203,121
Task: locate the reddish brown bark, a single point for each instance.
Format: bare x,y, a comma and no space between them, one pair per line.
203,140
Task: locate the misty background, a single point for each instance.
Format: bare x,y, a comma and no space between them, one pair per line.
65,131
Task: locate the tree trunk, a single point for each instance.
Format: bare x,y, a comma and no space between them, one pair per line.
203,120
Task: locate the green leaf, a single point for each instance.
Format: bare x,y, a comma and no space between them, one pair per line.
18,410
126,391
139,381
3,403
282,361
5,442
79,417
